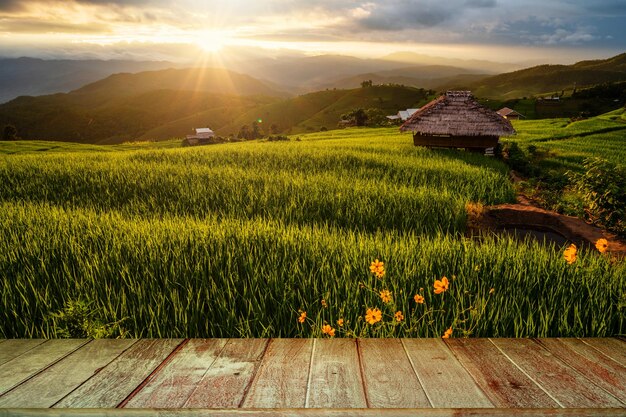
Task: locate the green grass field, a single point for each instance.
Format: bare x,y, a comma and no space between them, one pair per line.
237,239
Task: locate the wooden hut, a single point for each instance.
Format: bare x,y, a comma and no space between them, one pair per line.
457,120
510,114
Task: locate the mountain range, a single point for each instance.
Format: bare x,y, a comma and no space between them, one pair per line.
164,103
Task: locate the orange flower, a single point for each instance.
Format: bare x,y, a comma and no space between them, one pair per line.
326,329
602,245
570,254
302,317
418,299
323,302
373,315
377,268
441,286
399,316
447,334
340,322
385,295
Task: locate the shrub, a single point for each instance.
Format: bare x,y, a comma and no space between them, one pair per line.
602,187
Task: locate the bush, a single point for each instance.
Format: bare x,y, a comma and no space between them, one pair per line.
78,319
602,187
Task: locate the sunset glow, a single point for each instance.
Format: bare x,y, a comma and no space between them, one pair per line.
503,30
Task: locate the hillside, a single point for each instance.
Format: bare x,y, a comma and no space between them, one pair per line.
214,80
552,78
32,76
311,112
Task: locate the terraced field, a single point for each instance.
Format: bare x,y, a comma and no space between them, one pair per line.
241,239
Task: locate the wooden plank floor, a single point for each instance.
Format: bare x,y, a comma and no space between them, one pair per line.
311,377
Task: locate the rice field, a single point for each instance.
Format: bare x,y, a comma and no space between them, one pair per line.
242,239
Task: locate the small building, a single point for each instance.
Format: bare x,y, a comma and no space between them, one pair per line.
202,136
510,114
457,120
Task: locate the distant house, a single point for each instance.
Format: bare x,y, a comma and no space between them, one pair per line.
457,120
202,133
510,114
402,115
202,136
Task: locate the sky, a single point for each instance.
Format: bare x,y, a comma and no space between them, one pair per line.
181,30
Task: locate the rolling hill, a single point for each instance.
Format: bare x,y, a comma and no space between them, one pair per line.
551,78
33,76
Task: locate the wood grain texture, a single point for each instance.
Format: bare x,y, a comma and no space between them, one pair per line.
389,378
613,348
37,359
594,365
444,379
311,412
568,387
281,381
335,380
226,382
172,386
501,381
109,387
46,388
15,347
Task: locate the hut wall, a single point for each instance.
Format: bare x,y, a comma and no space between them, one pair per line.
469,142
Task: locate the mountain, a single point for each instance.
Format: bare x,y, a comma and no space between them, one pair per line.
214,80
124,107
475,65
306,74
428,76
551,78
32,76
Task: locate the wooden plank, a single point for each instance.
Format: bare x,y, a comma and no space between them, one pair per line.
21,368
226,382
16,347
335,380
613,348
564,384
445,381
594,365
172,386
46,388
501,381
389,378
109,387
281,381
311,412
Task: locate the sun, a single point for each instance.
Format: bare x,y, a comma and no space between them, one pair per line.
211,40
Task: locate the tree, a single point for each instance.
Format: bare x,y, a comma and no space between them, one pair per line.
256,130
358,117
244,132
9,133
366,83
376,117
274,129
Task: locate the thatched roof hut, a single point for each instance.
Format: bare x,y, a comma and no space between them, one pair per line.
457,120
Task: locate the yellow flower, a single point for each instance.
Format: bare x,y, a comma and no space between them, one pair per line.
570,254
399,316
441,286
491,291
602,245
447,334
340,322
377,268
373,315
385,295
323,302
326,329
302,317
418,299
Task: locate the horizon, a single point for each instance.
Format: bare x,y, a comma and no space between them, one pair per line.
190,32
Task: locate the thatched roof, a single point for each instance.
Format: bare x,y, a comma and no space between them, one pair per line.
457,113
